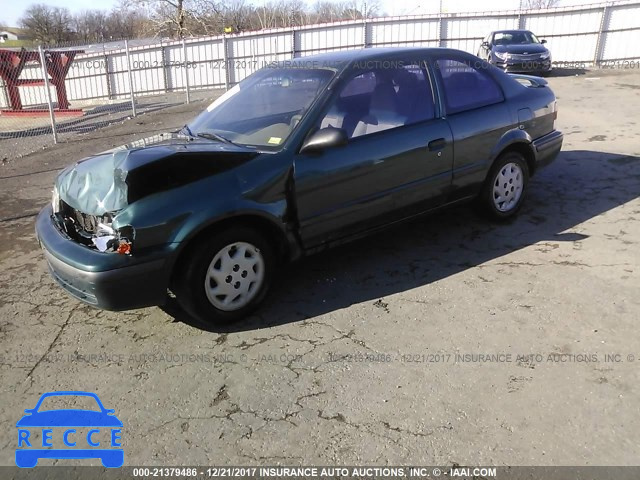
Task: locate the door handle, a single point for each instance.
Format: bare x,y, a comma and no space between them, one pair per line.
437,144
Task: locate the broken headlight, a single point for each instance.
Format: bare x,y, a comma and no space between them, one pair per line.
95,231
107,239
55,200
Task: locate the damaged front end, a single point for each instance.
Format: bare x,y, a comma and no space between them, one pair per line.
86,199
90,196
93,231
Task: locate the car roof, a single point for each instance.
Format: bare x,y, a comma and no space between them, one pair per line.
512,30
346,57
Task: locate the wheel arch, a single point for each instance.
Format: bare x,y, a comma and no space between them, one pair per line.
516,141
283,243
524,149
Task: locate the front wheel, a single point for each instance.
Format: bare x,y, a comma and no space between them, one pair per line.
505,187
226,276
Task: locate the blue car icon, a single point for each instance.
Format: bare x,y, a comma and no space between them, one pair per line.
98,422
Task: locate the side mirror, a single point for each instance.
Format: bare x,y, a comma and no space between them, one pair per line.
323,139
485,44
543,41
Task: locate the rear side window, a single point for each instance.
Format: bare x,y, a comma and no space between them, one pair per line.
465,87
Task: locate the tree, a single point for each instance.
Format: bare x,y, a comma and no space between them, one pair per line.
90,26
47,24
99,26
357,9
540,4
167,17
237,14
325,11
128,23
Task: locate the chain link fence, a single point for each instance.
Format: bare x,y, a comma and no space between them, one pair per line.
52,94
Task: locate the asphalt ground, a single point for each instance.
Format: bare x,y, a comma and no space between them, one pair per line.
445,340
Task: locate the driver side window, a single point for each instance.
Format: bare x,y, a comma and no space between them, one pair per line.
381,99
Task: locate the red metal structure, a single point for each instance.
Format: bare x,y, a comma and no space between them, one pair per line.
57,65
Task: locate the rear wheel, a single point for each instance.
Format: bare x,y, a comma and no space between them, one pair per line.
505,187
226,276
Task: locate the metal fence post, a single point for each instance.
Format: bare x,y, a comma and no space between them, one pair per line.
294,49
107,75
225,62
45,75
166,74
443,33
602,33
364,32
186,71
133,98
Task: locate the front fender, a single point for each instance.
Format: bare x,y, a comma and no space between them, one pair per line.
177,216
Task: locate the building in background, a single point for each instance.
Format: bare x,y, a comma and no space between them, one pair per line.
13,35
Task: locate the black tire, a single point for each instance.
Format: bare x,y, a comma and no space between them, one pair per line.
189,282
487,200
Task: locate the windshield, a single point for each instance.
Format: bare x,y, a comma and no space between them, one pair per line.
263,109
514,38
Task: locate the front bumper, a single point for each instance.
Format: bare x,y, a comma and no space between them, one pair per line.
547,148
523,66
109,281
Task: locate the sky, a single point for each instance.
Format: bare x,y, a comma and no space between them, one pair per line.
12,10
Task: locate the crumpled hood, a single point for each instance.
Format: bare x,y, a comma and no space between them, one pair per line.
111,180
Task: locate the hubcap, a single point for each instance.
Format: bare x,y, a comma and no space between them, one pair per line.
235,276
507,187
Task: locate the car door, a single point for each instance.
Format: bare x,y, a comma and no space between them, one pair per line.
398,158
478,115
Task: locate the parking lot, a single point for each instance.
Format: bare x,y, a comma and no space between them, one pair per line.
445,340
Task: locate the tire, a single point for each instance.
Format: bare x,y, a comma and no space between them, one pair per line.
226,276
501,200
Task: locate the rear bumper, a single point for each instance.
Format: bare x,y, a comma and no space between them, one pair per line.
104,280
547,148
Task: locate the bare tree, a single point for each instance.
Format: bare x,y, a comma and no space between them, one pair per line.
266,16
326,11
357,9
129,23
197,17
206,18
167,17
540,4
47,24
238,14
90,25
